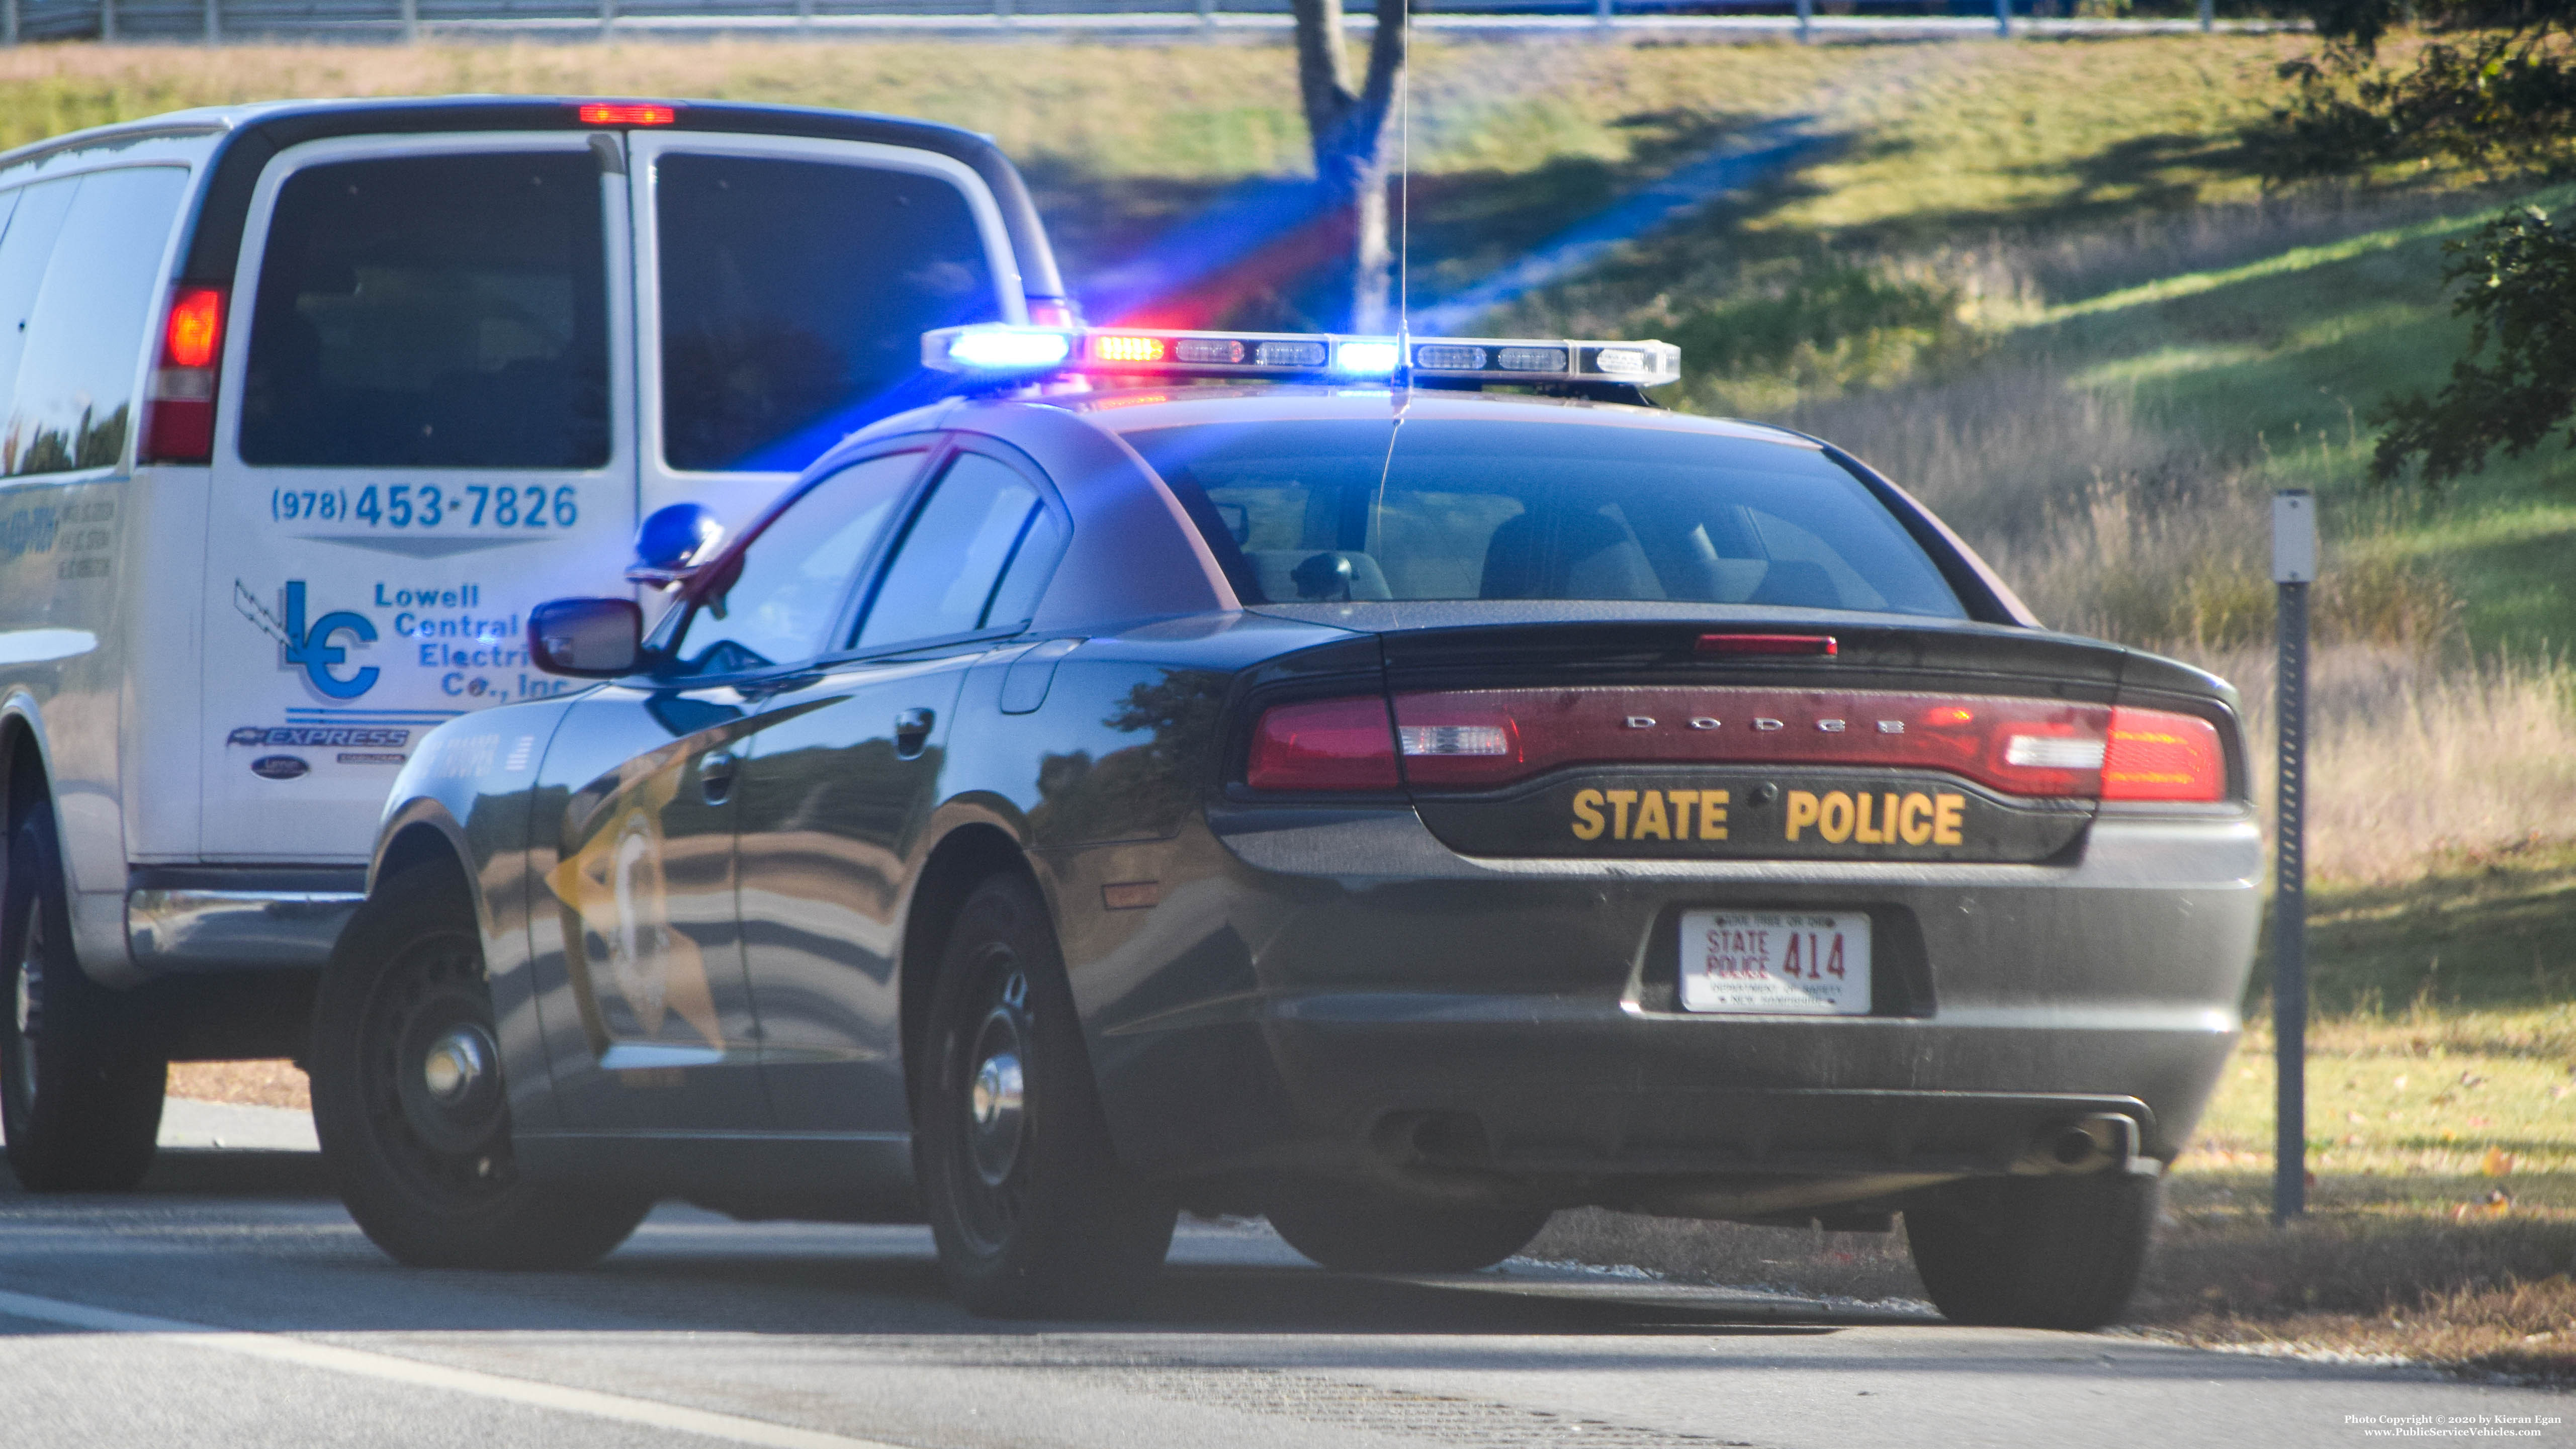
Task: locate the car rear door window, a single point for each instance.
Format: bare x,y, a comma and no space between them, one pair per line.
72,399
971,560
796,577
433,311
793,295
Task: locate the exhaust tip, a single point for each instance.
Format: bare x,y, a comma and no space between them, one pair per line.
2075,1147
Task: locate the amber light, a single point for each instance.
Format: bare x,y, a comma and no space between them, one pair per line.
606,113
1127,349
1327,744
2156,755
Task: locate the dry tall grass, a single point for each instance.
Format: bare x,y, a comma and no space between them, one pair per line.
2411,759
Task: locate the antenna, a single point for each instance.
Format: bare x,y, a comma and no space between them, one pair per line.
1404,205
1402,394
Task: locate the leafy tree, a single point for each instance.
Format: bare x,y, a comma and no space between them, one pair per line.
2517,277
2492,86
1347,129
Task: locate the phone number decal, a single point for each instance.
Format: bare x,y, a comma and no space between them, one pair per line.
427,505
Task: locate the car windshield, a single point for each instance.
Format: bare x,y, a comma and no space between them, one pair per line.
1315,511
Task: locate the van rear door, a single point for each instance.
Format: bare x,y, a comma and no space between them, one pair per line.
425,428
782,287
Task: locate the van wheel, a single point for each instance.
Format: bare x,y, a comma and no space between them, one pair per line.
1355,1230
81,1071
2034,1252
409,1103
1031,1211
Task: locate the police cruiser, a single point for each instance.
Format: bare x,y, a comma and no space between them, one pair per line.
308,405
1397,786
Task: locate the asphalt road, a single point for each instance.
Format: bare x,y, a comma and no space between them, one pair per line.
232,1302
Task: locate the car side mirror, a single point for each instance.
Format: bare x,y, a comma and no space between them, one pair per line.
674,544
586,638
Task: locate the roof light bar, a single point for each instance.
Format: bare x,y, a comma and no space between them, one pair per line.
1019,352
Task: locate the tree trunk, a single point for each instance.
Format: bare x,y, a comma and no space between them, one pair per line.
1347,130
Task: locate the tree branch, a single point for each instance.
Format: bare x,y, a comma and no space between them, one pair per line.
1323,73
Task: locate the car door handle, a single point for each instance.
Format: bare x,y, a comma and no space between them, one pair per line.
715,776
912,733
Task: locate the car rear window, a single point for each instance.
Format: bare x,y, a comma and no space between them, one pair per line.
1318,511
794,295
433,311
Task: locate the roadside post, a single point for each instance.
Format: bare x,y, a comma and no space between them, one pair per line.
2294,567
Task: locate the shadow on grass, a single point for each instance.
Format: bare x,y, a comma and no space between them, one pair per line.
1465,224
2482,929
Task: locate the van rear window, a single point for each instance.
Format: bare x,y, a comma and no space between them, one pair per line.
433,311
79,262
794,295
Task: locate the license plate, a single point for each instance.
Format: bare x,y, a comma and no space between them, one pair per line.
1775,962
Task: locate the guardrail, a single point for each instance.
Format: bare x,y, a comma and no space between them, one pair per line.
216,21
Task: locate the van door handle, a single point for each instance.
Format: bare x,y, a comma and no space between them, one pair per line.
715,776
912,733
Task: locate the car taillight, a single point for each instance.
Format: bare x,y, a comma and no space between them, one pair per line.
1326,744
2155,755
179,412
1481,739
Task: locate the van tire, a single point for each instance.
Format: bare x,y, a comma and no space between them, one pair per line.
82,1068
431,1179
1356,1230
2035,1252
1033,1215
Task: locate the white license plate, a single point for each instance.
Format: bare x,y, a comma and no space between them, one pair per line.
1775,962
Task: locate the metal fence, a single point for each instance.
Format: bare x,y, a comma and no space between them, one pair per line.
215,21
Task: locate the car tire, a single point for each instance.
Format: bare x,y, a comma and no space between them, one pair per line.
82,1071
1356,1230
409,1102
1031,1210
2035,1252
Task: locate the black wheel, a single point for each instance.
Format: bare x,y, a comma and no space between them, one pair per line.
81,1070
2035,1252
409,1103
1031,1211
1356,1230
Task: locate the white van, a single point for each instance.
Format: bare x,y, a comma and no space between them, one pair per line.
307,404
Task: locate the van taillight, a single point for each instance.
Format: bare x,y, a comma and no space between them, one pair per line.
2154,755
620,113
179,415
1325,744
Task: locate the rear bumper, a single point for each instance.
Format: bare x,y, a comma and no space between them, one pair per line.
1346,996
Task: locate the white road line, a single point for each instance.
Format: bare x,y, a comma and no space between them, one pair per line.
279,1348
